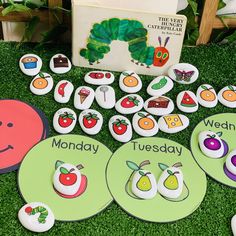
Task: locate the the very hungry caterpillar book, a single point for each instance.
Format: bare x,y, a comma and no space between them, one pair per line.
118,39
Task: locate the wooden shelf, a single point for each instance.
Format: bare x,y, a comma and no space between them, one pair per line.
230,22
25,16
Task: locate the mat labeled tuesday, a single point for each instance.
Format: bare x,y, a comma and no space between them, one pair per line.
155,155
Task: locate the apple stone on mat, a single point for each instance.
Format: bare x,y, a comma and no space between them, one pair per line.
68,181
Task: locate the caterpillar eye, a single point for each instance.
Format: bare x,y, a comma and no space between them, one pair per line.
165,55
159,54
9,125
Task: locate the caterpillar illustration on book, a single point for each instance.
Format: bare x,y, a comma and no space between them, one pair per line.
130,31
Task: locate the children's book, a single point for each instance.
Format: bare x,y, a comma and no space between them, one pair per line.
127,37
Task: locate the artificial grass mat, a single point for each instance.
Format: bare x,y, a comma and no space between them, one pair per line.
217,67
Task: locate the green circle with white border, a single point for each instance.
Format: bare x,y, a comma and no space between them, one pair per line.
35,177
214,167
155,155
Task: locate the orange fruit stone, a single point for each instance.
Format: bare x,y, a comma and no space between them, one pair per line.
207,95
130,81
229,95
146,123
40,83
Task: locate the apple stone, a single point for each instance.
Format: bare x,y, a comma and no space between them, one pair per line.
170,183
90,121
64,120
120,128
144,184
63,91
67,179
36,217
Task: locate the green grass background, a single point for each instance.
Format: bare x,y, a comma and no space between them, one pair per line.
217,66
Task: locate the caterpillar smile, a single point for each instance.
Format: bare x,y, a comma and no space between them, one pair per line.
6,149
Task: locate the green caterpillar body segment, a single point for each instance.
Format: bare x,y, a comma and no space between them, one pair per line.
43,214
130,31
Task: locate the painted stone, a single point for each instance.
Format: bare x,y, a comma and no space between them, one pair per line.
68,182
159,105
99,77
206,96
233,225
170,183
187,102
230,165
130,82
144,124
129,104
173,123
36,217
90,121
144,184
183,73
120,128
227,96
64,120
41,84
160,85
105,96
212,145
83,98
63,91
60,64
30,64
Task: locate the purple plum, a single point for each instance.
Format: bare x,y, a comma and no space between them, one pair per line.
212,144
233,160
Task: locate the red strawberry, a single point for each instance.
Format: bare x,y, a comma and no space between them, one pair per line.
129,102
66,119
120,126
90,120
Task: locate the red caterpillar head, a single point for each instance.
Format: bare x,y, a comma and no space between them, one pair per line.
28,210
161,54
